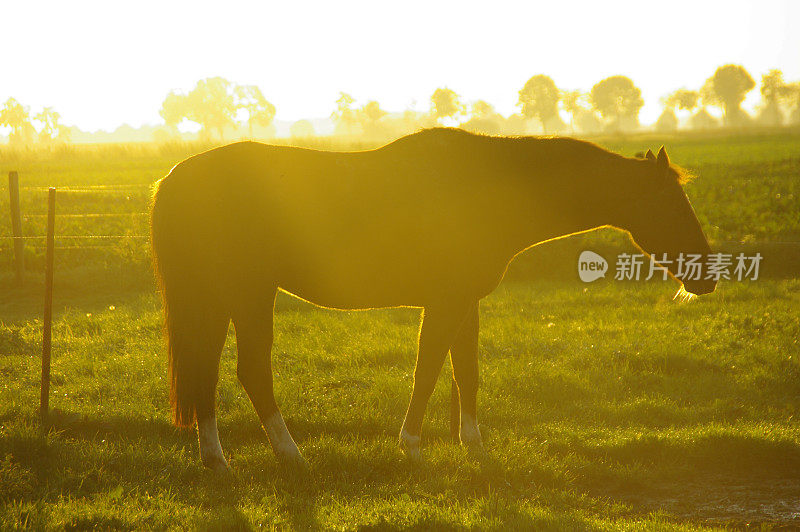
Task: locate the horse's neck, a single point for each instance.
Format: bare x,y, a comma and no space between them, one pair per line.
559,204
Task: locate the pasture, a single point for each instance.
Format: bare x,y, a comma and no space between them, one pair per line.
604,406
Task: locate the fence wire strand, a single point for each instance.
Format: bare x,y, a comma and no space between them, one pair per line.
41,237
88,215
93,188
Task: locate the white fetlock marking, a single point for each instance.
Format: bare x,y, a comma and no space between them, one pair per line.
470,433
409,441
279,437
208,437
409,444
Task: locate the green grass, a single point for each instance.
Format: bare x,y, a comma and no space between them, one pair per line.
603,406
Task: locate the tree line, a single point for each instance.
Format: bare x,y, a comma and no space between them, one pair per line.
612,105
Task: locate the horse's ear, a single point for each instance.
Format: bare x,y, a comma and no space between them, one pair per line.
663,160
649,155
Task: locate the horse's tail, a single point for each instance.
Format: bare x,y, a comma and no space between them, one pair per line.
193,326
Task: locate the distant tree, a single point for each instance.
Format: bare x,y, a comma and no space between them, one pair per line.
345,118
772,84
727,89
790,96
64,133
484,119
410,121
588,122
581,116
571,103
445,103
702,119
371,112
51,129
173,110
370,116
515,124
682,99
539,99
482,109
211,104
690,100
618,101
667,121
16,116
259,111
302,129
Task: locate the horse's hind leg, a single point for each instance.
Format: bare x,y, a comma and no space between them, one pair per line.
439,328
197,336
253,324
464,355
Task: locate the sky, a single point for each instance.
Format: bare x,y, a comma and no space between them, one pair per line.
101,64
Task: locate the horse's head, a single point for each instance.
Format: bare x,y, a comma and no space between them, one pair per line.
662,222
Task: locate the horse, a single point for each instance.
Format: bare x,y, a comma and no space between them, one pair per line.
431,220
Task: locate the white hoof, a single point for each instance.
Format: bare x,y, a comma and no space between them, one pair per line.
217,464
210,448
470,433
410,446
283,444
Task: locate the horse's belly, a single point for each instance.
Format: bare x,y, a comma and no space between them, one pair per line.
358,281
356,288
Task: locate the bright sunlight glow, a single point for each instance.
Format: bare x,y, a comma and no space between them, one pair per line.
102,64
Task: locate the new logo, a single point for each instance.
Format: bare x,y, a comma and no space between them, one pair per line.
591,266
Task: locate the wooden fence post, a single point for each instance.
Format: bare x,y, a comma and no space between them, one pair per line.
16,226
44,400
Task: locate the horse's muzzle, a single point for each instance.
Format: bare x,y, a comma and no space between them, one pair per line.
701,287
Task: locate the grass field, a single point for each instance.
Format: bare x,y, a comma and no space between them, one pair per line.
604,406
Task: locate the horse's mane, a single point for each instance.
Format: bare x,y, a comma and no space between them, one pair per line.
681,175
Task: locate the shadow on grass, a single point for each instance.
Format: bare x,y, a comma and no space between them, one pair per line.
724,478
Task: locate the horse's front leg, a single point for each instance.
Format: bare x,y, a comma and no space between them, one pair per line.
254,370
439,327
464,356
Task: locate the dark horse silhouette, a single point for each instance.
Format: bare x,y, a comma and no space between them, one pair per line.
431,220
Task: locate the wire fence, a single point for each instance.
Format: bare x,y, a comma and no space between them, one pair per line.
71,242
